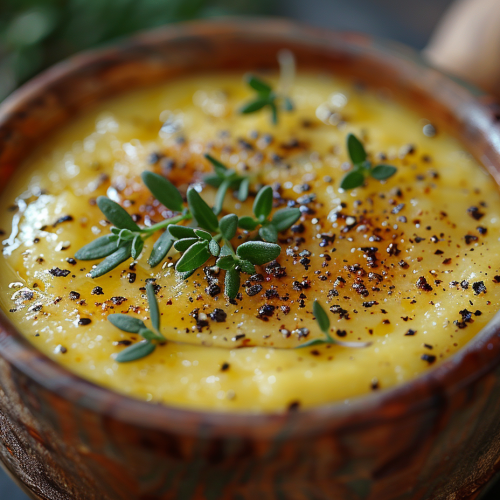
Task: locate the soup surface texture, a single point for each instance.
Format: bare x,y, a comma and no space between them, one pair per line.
409,264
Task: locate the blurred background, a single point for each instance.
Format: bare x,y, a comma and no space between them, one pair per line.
35,34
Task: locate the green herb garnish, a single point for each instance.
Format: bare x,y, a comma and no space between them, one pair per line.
362,167
213,238
134,325
269,228
266,95
324,324
127,238
224,178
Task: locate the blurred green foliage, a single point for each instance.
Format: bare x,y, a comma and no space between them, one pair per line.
37,33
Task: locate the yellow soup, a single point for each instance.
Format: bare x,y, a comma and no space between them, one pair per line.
409,264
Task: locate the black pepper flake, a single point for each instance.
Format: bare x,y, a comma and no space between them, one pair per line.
370,303
243,144
271,294
266,310
218,315
374,384
60,349
341,333
256,277
213,289
239,337
375,276
478,287
430,358
466,318
118,300
122,342
475,213
337,309
71,261
410,333
303,188
403,264
306,198
74,295
59,272
326,239
447,261
274,269
224,367
298,228
305,261
397,208
469,238
294,406
97,291
360,288
131,277
464,284
393,249
496,279
423,285
302,332
482,229
84,321
154,157
285,309
438,252
65,218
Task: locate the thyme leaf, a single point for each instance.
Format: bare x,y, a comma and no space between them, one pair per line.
225,179
362,167
266,96
130,324
282,219
324,324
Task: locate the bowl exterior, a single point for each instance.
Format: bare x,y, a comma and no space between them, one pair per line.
63,438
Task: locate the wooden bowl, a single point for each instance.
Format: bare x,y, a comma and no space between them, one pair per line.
437,437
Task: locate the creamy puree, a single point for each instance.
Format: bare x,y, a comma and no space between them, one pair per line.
428,287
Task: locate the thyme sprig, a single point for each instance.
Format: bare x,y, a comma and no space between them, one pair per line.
127,238
269,228
363,167
266,95
224,178
152,336
324,324
213,238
